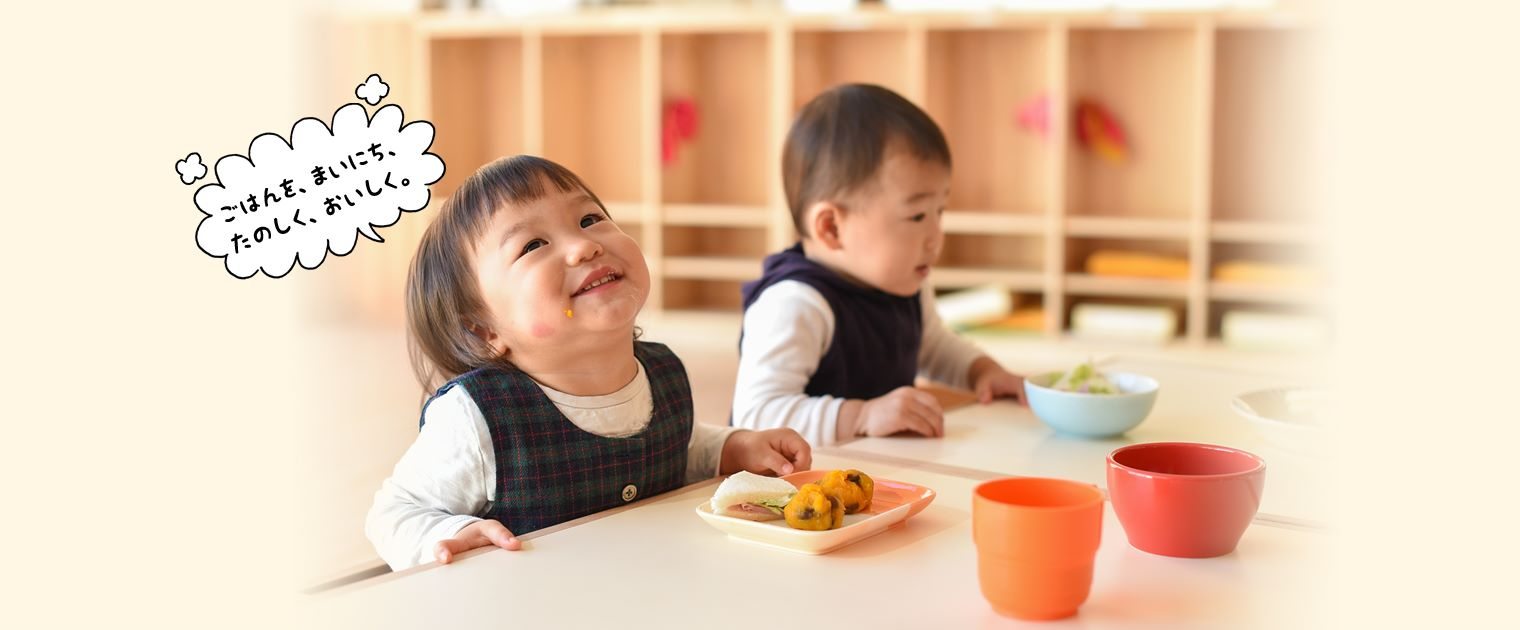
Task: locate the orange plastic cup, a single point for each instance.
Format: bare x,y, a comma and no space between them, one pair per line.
1035,543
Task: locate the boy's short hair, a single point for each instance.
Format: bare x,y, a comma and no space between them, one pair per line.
840,138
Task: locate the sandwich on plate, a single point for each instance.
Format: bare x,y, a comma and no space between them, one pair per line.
752,497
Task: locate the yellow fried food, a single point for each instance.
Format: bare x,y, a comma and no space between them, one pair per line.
814,509
854,489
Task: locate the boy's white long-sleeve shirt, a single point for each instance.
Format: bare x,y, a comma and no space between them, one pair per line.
787,330
449,473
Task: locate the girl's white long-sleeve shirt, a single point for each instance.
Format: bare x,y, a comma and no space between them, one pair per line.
787,330
449,473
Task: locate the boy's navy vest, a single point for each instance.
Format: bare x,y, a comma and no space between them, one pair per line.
876,334
549,471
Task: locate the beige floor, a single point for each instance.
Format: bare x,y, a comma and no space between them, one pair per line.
367,416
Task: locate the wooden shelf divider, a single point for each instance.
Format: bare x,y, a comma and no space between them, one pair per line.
1205,99
992,222
962,278
716,215
1091,285
712,268
1124,227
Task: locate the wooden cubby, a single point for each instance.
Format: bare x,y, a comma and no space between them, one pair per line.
1218,309
970,260
977,81
726,76
1080,281
1213,106
684,292
715,242
482,119
1025,303
825,58
1263,164
1148,80
590,125
1177,306
1263,158
1300,279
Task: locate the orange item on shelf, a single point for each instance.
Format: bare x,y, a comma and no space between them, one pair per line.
1035,543
1024,319
1107,262
1264,272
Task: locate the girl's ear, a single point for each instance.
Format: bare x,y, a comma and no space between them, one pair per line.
481,332
484,334
824,218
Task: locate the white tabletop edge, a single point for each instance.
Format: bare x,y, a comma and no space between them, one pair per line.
367,577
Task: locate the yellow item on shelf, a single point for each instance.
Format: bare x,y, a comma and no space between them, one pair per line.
1108,262
1264,272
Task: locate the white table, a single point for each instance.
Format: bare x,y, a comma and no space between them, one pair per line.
656,564
1193,406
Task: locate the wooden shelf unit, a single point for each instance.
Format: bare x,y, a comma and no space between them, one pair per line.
1212,104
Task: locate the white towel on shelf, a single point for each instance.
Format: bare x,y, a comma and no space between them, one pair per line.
1150,324
973,307
1282,331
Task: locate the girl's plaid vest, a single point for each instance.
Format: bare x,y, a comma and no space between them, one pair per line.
549,471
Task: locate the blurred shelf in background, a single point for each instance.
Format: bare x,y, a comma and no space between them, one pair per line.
1195,149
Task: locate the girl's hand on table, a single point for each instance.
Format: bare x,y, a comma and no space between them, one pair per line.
475,535
769,452
990,381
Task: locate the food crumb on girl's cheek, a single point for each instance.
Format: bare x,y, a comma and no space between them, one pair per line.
569,313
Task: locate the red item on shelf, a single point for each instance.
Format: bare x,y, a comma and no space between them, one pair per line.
679,123
1099,130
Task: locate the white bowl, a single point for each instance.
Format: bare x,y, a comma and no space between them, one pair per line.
1292,418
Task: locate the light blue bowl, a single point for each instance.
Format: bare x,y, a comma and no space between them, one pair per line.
1092,415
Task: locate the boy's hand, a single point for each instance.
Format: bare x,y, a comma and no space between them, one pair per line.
477,534
773,451
902,409
990,381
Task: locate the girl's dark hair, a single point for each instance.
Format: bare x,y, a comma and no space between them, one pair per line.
840,138
443,300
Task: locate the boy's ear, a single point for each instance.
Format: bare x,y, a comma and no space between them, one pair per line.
824,218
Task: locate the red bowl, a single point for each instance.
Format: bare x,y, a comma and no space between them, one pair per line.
1184,499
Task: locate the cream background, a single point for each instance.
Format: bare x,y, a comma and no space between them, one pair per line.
1421,142
164,426
151,487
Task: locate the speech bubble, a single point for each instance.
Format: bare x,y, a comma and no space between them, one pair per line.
294,201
